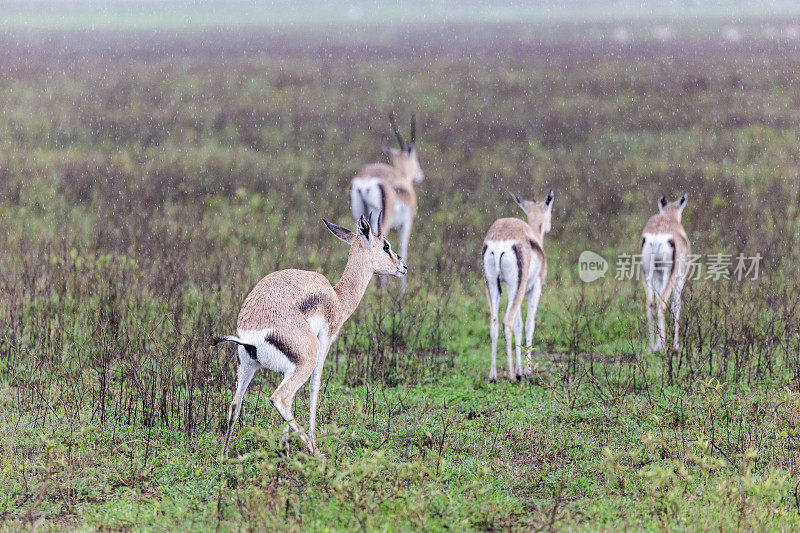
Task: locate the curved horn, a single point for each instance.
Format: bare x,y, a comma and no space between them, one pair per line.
413,129
380,223
393,122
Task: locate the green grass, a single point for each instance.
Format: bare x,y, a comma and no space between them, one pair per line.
148,182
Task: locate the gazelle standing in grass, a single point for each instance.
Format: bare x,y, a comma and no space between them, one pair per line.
290,318
380,190
513,254
665,250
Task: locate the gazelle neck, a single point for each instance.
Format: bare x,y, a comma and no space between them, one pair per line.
537,225
353,284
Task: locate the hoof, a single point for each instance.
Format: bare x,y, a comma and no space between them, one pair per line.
492,380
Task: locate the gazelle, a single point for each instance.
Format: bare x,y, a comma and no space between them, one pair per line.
513,254
380,190
665,250
290,318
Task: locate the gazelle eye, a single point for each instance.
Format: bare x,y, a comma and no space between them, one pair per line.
386,247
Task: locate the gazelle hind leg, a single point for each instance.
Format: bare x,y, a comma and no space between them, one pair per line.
518,341
283,397
530,323
650,307
676,311
404,237
493,296
244,374
509,319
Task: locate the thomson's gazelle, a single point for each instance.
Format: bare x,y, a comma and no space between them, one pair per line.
290,318
665,250
380,188
513,254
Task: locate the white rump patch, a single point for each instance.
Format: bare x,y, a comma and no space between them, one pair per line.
268,355
657,260
366,198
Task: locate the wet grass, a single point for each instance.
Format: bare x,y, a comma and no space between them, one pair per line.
146,185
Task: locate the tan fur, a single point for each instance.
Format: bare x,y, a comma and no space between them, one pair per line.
527,238
284,301
667,222
396,181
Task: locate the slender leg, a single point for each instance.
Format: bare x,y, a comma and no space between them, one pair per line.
676,310
284,395
244,374
508,322
518,340
662,329
493,295
516,292
530,322
492,287
356,203
650,307
314,385
404,237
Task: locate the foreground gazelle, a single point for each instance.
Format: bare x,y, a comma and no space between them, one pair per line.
665,250
290,318
513,254
389,190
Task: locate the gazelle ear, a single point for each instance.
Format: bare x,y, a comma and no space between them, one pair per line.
364,230
662,203
520,202
682,202
342,233
548,201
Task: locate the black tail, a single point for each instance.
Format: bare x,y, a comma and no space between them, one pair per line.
249,348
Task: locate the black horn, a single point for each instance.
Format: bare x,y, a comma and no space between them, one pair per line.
413,129
393,122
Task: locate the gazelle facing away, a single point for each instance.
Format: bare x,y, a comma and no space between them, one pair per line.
513,254
290,318
665,250
380,190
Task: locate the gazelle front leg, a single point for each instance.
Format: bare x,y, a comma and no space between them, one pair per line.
314,385
244,374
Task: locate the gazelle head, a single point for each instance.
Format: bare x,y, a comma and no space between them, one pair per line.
370,249
539,213
672,209
405,158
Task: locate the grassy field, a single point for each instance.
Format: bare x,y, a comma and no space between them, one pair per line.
147,181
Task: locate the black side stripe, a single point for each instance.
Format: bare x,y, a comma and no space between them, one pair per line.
281,346
309,303
535,246
515,249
